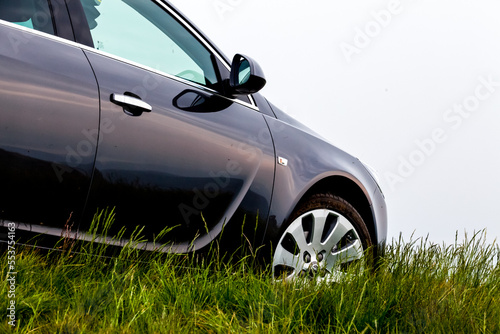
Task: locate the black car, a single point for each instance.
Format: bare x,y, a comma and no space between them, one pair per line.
127,105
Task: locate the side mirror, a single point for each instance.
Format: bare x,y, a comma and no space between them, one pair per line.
246,76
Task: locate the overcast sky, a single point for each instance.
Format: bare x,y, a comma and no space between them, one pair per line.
411,87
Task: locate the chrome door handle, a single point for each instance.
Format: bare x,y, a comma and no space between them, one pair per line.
132,102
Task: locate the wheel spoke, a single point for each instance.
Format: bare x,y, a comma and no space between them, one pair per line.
319,225
299,235
353,252
331,262
284,257
339,231
346,255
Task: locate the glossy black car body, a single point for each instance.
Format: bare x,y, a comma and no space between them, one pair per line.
184,153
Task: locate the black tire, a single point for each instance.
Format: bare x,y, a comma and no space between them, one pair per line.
324,235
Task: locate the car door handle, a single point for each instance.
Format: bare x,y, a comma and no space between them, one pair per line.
129,101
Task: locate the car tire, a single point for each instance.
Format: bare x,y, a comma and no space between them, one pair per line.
325,235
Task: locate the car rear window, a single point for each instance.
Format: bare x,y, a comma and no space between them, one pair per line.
33,14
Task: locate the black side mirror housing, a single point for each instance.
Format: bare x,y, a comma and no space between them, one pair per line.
246,76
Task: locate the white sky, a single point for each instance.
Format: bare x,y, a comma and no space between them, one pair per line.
420,71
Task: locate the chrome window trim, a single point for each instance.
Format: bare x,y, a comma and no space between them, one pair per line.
202,40
83,47
170,76
39,33
192,31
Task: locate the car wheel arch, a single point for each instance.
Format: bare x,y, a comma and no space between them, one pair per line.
347,189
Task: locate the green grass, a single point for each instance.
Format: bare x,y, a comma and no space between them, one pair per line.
419,288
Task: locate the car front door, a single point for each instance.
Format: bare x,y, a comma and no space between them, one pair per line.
173,152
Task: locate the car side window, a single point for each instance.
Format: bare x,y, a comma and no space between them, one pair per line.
143,32
34,14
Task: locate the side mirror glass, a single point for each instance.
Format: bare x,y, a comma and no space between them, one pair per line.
246,76
243,72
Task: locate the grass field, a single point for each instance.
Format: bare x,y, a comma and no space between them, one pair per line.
419,288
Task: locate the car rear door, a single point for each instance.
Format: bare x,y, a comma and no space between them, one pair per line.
173,152
49,118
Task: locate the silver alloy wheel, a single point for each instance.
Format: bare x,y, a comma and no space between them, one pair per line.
317,244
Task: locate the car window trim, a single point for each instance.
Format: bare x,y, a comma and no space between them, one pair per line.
79,22
61,20
172,11
167,75
193,31
39,33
